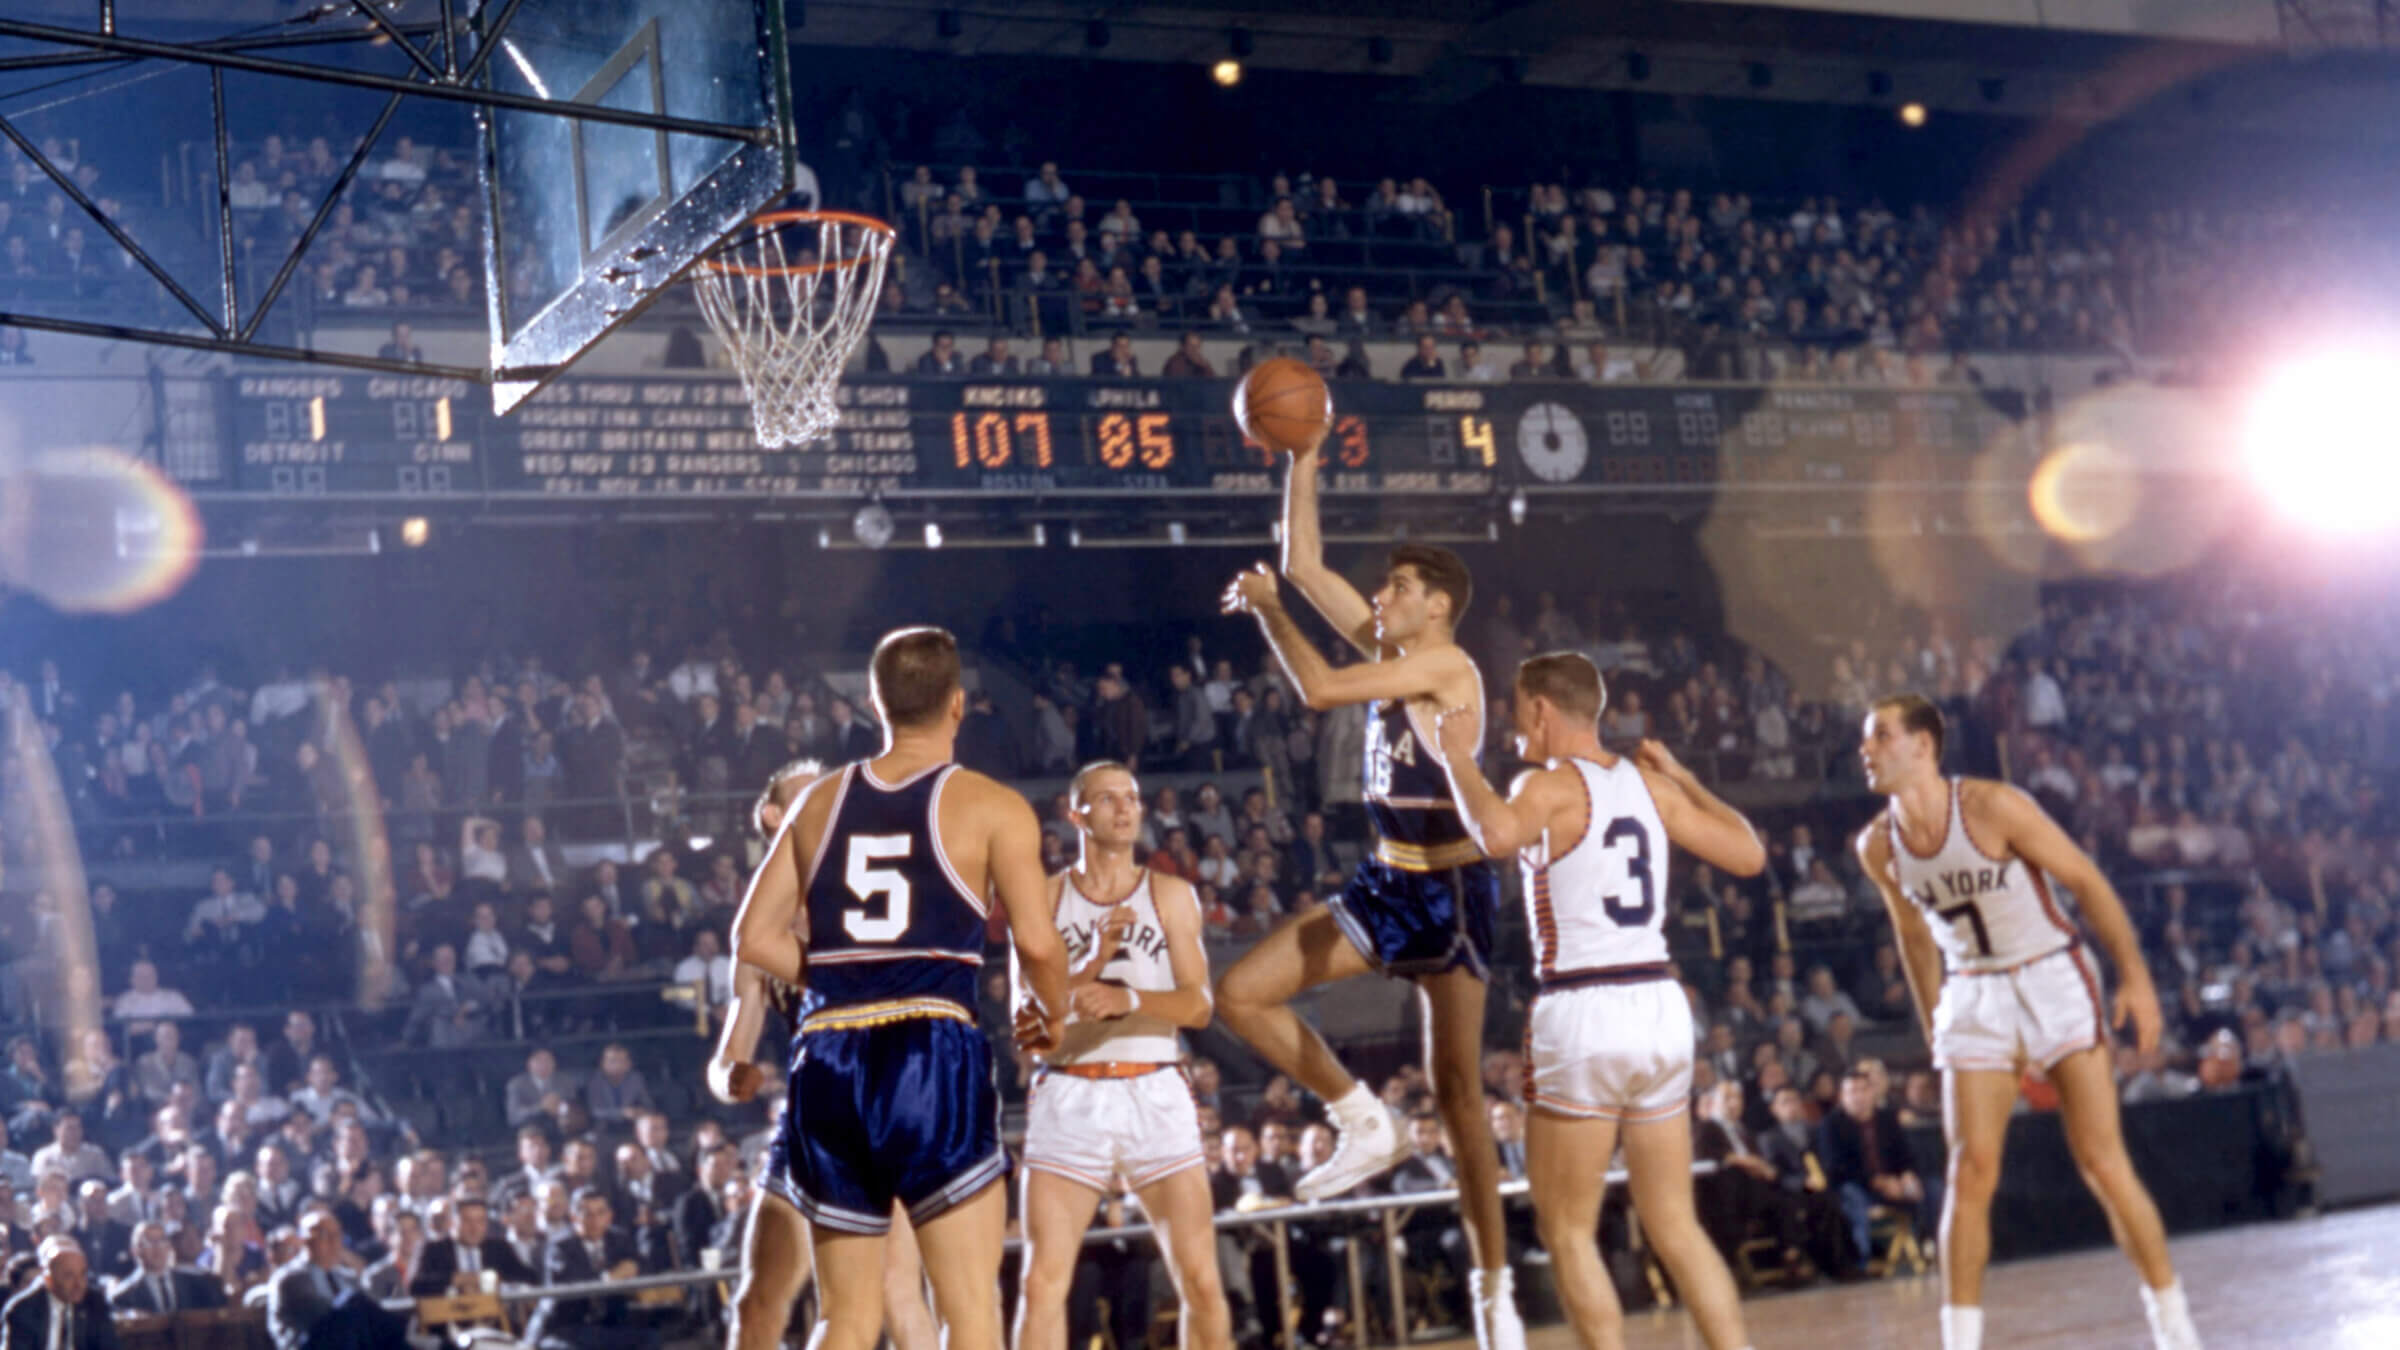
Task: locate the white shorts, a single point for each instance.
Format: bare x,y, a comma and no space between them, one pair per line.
1101,1131
2028,1016
1610,1051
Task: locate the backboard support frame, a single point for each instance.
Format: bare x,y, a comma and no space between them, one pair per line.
449,63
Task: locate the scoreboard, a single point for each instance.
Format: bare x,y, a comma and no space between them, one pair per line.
675,435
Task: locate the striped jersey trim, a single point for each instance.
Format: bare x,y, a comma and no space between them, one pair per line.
882,1012
863,956
1427,858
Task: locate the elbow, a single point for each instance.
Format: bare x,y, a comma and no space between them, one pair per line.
1317,699
1751,861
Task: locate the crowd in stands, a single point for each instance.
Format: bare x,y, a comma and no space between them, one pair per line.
2222,750
1530,276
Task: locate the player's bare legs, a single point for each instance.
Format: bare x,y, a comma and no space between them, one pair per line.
906,1319
962,1256
1658,1154
2087,1100
1183,1216
1975,1108
1254,999
1453,1003
1566,1160
1057,1212
849,1290
775,1268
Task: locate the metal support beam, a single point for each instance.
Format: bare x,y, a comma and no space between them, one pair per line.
385,26
43,323
74,193
316,223
278,42
223,135
444,91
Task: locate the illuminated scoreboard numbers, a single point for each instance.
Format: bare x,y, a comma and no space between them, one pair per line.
1125,441
421,419
1465,441
294,419
999,440
1348,439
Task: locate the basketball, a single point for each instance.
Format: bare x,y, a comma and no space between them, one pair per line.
1284,405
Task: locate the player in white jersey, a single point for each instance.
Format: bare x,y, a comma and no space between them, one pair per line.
1110,1106
1965,866
1609,1040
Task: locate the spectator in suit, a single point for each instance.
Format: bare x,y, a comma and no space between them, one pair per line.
700,1210
536,1093
313,1303
1508,1131
135,1200
593,1249
1426,364
393,1274
279,1192
156,1285
445,1013
650,1130
942,357
1866,1160
1117,361
617,1094
156,1073
472,1248
107,1243
1788,1144
534,1165
65,1297
995,360
287,1059
240,1047
536,865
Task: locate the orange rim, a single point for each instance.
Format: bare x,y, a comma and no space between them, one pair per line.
767,220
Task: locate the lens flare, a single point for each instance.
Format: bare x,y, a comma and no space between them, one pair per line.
95,531
2318,440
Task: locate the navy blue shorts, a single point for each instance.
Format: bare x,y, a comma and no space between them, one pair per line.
1410,924
899,1110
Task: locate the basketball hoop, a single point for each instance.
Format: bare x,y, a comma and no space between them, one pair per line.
790,294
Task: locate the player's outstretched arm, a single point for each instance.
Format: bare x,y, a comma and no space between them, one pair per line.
1920,958
1499,825
732,1076
1014,861
766,930
1697,820
1304,557
1321,684
2027,831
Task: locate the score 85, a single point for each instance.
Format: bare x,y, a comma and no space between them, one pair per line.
1126,438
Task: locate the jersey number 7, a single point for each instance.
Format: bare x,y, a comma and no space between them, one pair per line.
1974,918
871,884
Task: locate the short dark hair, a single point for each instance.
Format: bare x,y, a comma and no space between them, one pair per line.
1917,713
1568,679
1442,571
913,675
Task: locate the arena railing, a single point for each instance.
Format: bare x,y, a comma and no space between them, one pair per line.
1388,1213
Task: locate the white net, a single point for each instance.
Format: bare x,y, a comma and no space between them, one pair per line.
791,297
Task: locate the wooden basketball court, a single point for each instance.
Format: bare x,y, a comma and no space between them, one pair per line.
2325,1284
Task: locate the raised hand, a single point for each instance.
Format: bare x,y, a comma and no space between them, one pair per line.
1458,732
1251,591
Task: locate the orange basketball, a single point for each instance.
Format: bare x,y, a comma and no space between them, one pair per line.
1284,405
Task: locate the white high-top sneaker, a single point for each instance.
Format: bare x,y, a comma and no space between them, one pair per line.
2170,1318
1364,1146
1494,1296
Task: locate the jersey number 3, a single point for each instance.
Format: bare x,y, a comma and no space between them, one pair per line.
877,888
1637,871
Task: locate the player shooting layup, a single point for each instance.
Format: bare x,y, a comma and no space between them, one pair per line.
888,863
1610,1035
1964,865
1419,909
1110,1104
775,1258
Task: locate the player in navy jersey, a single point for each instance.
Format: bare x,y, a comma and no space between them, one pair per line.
775,1258
1420,908
874,897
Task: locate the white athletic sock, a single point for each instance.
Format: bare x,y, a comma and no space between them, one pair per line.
1962,1327
1353,1106
2170,1317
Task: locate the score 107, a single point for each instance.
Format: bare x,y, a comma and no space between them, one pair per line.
999,441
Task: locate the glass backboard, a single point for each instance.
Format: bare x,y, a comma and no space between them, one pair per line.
590,220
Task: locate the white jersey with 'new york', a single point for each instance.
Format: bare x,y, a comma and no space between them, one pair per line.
1610,1033
1987,914
1111,1107
1141,964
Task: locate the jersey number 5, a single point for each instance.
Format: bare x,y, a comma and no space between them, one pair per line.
871,884
1637,870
